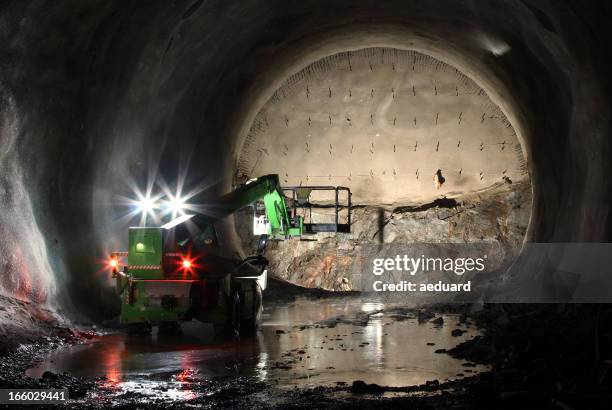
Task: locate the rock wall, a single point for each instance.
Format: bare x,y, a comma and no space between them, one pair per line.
499,214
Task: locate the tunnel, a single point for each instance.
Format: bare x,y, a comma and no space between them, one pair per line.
449,121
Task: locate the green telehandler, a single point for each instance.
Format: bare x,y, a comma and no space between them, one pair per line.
190,268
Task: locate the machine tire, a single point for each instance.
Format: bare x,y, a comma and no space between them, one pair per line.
232,327
250,325
236,315
169,328
138,329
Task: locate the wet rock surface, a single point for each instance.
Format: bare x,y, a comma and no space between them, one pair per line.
15,362
23,322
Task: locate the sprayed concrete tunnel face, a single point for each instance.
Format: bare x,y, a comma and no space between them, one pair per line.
396,126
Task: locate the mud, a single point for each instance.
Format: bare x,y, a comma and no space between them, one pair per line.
305,344
532,360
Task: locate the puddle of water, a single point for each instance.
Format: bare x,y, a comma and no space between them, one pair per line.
306,343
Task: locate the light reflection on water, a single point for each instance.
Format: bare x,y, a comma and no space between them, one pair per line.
306,343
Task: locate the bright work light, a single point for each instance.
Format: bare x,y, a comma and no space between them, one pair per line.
146,205
176,205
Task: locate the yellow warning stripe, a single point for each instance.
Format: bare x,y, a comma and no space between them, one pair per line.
144,267
126,254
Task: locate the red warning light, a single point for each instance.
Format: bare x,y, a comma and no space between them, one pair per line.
113,263
186,264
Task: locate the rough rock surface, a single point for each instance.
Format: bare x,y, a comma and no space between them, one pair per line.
500,214
25,322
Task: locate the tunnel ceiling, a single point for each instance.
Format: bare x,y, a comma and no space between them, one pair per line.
382,121
93,91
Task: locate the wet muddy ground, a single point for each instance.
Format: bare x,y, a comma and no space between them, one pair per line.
336,351
305,344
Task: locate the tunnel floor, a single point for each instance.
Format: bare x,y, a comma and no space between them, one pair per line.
306,343
321,349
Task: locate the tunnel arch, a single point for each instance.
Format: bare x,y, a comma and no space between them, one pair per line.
467,58
423,115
